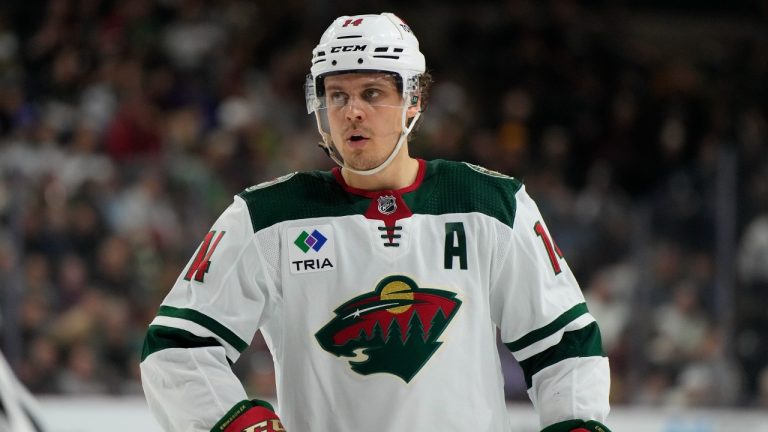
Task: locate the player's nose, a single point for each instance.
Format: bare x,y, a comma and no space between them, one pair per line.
354,110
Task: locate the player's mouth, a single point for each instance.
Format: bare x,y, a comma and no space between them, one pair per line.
356,139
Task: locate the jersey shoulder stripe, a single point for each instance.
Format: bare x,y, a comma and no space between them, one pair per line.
585,342
448,187
300,195
460,187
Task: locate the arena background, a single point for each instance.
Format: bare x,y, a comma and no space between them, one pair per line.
639,127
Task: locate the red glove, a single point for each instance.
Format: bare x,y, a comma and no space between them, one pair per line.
250,416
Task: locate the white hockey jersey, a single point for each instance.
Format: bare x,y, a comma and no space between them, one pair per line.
379,308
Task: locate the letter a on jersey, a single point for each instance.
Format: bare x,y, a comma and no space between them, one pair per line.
392,330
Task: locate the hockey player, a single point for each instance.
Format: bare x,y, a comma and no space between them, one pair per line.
378,286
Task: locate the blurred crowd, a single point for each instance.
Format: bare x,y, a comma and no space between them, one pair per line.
642,132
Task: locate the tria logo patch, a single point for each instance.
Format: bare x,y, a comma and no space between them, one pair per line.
387,204
312,250
314,241
393,329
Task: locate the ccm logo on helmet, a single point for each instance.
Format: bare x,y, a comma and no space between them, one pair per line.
348,48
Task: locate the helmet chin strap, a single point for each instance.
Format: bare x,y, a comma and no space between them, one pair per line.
327,140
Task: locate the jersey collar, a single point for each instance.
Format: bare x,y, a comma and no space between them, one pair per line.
336,171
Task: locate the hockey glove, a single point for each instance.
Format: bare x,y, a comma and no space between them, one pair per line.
250,416
577,426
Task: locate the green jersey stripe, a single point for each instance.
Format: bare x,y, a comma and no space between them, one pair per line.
585,342
204,320
548,330
161,337
447,187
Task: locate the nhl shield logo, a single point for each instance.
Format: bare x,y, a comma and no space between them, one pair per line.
387,204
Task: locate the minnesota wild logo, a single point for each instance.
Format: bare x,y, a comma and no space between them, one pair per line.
392,330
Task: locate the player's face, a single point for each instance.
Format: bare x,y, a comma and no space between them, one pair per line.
365,117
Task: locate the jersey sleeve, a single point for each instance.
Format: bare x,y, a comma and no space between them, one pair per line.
222,296
544,321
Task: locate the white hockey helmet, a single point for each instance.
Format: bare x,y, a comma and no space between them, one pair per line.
365,43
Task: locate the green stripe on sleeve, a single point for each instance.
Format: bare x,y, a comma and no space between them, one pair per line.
585,342
549,329
204,320
161,337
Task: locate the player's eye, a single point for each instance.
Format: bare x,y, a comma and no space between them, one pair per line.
338,99
372,95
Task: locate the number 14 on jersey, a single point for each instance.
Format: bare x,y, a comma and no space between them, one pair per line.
553,251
